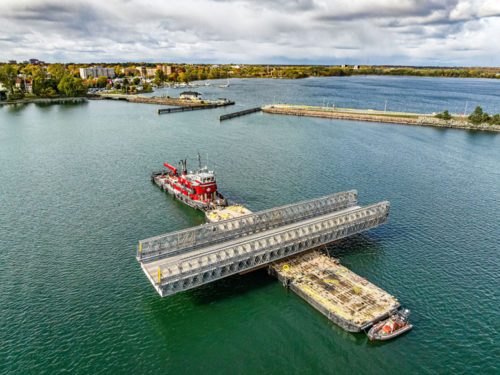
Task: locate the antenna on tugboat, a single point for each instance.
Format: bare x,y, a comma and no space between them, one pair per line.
199,162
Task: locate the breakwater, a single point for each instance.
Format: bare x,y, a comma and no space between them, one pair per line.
377,116
46,100
178,102
239,113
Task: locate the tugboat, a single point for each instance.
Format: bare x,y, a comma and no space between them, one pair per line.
396,325
197,189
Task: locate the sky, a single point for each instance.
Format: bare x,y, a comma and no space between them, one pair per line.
365,32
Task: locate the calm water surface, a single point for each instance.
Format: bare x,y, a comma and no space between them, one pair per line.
75,197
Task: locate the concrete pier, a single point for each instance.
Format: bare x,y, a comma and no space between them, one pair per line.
162,111
402,118
239,113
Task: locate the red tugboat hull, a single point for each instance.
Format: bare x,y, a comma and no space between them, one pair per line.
197,189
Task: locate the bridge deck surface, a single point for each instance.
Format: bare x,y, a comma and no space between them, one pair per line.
151,268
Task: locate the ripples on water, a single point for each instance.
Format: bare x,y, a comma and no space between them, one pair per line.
76,197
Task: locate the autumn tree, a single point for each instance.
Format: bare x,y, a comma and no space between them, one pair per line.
102,81
71,86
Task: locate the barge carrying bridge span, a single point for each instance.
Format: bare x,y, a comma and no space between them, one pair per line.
189,258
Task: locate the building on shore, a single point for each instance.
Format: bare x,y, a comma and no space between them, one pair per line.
151,72
36,62
24,84
166,69
97,71
12,62
190,95
130,72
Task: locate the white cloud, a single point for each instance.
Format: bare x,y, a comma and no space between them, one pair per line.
413,32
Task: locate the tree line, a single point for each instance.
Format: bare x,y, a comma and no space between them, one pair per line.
56,81
477,117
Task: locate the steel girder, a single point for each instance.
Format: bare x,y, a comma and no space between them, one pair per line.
194,271
203,235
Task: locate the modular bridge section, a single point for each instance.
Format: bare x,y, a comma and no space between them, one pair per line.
187,259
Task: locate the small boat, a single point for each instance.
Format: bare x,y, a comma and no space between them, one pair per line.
226,85
396,325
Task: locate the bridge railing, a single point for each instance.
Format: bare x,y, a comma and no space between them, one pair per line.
225,261
159,246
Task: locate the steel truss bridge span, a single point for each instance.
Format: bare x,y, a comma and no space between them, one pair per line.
204,235
185,268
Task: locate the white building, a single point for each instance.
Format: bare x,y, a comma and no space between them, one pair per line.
96,72
190,95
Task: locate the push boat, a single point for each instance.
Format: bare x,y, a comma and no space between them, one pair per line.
197,189
396,325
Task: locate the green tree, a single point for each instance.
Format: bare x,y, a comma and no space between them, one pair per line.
71,86
495,119
39,81
477,116
57,71
48,92
146,87
159,77
8,75
444,116
136,81
102,81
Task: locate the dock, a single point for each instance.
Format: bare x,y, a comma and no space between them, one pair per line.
343,113
176,102
239,113
162,111
345,298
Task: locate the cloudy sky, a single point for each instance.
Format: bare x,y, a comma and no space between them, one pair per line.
407,32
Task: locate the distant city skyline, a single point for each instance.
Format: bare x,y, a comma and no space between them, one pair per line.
365,32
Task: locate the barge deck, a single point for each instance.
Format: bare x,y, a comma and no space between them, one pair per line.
345,298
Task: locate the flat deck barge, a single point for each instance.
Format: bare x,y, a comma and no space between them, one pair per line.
345,298
226,213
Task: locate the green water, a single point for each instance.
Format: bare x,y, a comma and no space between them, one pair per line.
75,197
